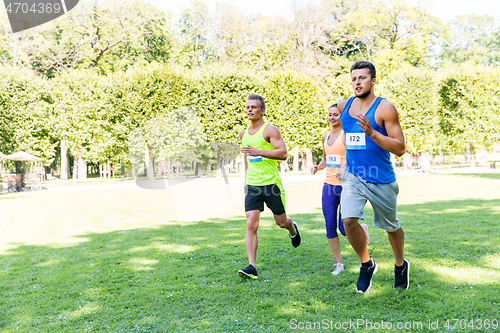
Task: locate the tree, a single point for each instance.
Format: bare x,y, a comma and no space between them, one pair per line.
231,34
28,117
469,107
389,33
84,114
471,38
297,105
195,24
145,93
313,54
177,134
494,48
105,36
413,92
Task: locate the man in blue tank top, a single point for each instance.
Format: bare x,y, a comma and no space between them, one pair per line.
372,131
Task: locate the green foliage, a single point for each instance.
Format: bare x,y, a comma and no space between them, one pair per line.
108,36
90,123
142,99
296,105
28,119
339,88
194,25
195,111
220,97
148,91
413,93
469,109
473,39
225,55
389,33
176,135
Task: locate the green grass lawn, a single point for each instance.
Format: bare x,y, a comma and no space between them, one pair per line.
136,260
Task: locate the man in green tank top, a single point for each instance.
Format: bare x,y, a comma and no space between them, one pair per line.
263,146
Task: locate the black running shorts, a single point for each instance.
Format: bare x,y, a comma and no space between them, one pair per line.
272,195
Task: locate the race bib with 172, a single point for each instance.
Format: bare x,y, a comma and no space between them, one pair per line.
333,161
355,141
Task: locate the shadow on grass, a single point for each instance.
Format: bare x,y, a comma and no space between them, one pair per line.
183,278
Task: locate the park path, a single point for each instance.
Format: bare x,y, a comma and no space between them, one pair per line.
235,180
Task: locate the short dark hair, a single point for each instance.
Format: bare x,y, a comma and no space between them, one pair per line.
332,106
259,98
365,64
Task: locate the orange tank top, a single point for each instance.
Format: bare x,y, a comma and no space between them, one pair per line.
335,158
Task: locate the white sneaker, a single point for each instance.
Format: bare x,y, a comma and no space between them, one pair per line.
365,229
339,268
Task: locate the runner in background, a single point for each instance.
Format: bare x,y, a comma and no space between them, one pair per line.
263,146
334,154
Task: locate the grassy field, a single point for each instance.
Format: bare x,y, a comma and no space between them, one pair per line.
137,260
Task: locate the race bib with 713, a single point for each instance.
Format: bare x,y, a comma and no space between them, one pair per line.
333,161
355,141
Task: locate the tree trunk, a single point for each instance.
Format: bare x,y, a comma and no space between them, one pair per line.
471,149
64,161
296,159
75,167
309,159
82,169
219,163
149,163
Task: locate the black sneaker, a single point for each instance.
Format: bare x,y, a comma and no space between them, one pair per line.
295,239
402,276
365,277
248,272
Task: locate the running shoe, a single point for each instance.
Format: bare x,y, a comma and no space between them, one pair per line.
402,276
339,268
365,277
295,239
248,272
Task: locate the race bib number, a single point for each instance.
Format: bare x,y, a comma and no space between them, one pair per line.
355,141
253,159
333,161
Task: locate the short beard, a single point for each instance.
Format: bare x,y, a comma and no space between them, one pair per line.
364,95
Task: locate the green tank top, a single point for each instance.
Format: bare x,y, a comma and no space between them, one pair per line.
261,170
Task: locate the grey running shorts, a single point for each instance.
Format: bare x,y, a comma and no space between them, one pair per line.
383,198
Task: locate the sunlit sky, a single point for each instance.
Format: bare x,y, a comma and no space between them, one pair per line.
445,10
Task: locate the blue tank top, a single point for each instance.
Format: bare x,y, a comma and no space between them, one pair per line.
365,158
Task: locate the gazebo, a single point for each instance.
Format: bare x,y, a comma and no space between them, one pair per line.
34,176
23,156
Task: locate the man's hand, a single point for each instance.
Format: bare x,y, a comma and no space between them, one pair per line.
249,150
365,124
314,169
339,173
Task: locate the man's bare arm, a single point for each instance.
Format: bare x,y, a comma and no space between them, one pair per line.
341,105
274,136
394,142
